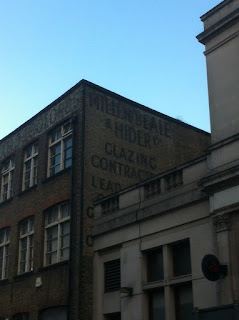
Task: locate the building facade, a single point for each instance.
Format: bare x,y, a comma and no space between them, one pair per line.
168,247
87,144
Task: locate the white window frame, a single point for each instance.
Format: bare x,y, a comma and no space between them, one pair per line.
28,236
59,137
7,173
5,246
32,158
59,221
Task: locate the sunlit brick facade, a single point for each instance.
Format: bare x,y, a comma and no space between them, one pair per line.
87,144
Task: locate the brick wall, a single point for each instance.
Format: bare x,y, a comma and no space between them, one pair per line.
117,143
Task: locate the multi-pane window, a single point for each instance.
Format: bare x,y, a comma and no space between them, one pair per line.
57,233
60,149
26,245
7,173
4,252
165,265
30,166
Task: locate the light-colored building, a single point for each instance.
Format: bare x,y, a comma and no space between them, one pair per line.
152,240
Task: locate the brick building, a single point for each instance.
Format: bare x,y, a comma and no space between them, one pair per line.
87,144
168,248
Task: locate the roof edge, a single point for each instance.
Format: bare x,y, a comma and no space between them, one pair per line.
99,88
215,9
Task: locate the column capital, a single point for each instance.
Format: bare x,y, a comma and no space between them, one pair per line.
222,222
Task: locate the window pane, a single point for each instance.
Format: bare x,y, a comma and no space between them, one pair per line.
184,302
51,258
65,254
27,175
31,224
52,233
2,233
28,165
24,227
52,216
65,241
65,212
22,267
68,153
155,265
35,161
56,135
59,313
56,149
29,152
24,243
52,245
55,160
65,228
68,163
35,148
68,143
12,163
31,240
7,233
157,306
181,258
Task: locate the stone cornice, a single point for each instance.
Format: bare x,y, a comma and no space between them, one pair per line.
219,27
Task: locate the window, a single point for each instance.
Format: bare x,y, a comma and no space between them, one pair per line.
113,316
4,252
30,166
60,149
21,316
183,301
112,275
181,258
169,269
57,233
155,265
58,313
8,167
157,304
26,245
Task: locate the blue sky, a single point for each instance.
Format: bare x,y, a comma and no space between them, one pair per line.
145,50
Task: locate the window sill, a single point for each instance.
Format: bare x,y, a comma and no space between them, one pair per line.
27,190
179,279
161,283
153,285
6,201
56,175
55,265
23,275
